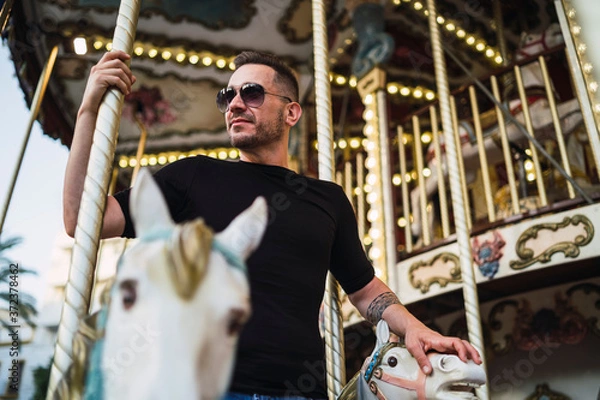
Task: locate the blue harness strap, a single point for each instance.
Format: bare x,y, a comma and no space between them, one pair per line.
232,258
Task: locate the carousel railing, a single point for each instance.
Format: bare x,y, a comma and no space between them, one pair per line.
504,175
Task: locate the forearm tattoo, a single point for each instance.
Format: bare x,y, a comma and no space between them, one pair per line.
378,306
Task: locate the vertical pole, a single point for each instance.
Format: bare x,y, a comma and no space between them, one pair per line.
334,334
36,104
387,198
404,188
93,202
460,219
5,13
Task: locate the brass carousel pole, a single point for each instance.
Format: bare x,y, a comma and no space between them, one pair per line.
36,103
334,334
5,13
460,218
93,202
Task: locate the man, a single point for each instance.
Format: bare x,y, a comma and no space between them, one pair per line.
311,228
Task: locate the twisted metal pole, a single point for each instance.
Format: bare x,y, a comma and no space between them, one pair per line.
462,233
36,104
334,334
93,202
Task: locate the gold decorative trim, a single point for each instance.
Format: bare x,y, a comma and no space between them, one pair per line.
423,285
570,249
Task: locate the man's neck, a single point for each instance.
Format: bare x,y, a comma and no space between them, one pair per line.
267,157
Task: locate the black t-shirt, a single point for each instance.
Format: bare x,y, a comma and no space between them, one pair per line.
311,229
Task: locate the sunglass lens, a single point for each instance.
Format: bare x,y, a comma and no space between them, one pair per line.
223,99
253,95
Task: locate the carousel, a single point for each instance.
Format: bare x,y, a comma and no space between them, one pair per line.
464,134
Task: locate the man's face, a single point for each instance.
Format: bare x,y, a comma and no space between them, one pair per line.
250,127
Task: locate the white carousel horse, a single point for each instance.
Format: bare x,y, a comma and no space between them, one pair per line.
179,302
392,373
568,111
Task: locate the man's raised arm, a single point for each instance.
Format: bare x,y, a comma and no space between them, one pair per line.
110,71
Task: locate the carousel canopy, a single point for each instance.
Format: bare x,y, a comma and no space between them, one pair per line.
183,53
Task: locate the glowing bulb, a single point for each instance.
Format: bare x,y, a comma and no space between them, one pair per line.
212,154
162,160
166,55
180,57
194,59
144,162
372,197
392,89
352,82
132,162
430,95
80,46
499,60
450,27
371,179
109,46
490,53
405,91
374,232
418,6
207,61
426,138
396,180
354,143
480,46
139,50
367,241
368,99
222,155
369,129
232,66
98,44
374,253
426,172
172,158
440,20
402,222
370,162
233,153
342,144
368,115
418,93
123,163
461,33
221,63
152,53
372,216
470,40
340,80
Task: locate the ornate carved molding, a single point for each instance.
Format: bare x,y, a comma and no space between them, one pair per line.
441,269
570,249
515,324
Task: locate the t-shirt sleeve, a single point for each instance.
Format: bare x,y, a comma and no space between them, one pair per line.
173,180
349,263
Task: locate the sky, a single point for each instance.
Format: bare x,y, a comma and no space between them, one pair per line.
35,212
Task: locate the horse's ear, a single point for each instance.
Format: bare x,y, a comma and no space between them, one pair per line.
383,333
244,233
148,208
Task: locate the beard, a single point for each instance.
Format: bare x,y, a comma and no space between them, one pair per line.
265,134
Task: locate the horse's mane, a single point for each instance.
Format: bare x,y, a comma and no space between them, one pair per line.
190,247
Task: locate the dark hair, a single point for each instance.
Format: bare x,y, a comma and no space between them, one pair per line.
284,76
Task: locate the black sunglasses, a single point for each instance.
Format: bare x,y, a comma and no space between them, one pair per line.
252,94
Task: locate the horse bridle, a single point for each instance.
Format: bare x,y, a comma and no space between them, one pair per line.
375,373
541,40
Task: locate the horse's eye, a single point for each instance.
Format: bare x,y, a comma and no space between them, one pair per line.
392,362
237,319
129,293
